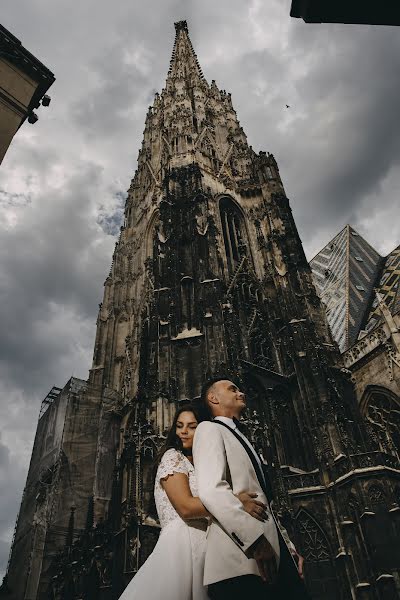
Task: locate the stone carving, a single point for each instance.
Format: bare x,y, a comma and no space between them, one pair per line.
376,496
383,413
314,542
393,358
366,345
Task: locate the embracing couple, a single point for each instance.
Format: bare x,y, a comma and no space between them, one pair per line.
219,538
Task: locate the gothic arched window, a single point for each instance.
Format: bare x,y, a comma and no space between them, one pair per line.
233,230
382,410
260,347
320,571
154,244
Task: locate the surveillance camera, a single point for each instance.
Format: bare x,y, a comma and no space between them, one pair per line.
32,118
46,100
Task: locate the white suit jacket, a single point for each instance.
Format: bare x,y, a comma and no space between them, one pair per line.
223,469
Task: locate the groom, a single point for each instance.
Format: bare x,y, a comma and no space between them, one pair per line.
244,556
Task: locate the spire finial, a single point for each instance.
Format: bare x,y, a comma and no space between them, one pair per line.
181,26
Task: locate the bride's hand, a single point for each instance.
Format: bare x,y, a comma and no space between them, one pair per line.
255,508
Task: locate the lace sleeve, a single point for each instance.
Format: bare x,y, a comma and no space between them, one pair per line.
172,462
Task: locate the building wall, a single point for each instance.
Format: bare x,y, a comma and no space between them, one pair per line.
60,478
374,371
37,504
16,92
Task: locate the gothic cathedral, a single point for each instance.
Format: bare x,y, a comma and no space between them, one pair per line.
208,277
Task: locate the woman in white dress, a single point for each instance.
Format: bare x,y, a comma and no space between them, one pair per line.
174,570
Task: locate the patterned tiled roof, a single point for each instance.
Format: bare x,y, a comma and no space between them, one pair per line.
345,272
388,287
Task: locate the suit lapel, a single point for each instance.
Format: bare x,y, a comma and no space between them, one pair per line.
260,475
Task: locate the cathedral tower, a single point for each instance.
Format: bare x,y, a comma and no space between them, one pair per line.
208,244
209,277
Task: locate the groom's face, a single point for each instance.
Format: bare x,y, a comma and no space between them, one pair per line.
226,399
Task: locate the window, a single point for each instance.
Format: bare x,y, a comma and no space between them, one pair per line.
233,232
320,571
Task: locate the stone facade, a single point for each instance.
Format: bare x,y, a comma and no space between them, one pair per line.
374,362
209,277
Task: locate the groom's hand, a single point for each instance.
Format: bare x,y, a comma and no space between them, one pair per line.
265,558
254,507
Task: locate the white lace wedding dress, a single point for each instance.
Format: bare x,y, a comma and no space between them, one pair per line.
174,570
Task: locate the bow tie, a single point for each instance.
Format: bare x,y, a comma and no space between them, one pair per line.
240,426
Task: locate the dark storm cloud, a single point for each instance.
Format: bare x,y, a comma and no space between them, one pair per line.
354,83
48,258
63,182
118,85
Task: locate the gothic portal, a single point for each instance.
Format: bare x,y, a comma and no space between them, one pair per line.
208,277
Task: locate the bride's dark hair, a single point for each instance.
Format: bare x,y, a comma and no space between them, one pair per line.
172,440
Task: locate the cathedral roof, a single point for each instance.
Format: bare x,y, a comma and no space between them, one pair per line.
345,272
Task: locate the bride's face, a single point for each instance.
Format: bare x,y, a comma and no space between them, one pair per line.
185,428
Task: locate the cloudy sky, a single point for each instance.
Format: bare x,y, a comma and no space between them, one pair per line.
63,180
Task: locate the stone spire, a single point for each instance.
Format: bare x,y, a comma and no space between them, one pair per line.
184,64
190,123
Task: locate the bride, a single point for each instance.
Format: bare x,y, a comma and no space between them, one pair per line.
174,570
